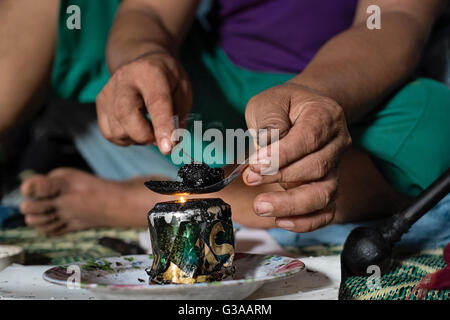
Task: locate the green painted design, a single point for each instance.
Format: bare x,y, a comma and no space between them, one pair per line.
83,246
181,235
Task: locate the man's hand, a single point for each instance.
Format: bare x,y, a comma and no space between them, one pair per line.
313,135
156,84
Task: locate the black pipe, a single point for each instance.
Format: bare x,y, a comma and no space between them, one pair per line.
373,246
400,223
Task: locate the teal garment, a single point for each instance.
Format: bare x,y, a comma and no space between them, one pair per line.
221,89
408,137
79,70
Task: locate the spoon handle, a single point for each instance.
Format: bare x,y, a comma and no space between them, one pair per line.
401,222
236,173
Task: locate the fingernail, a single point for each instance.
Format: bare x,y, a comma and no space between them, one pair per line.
261,161
285,224
166,146
253,178
261,164
263,208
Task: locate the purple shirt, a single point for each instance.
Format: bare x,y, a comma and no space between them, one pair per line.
279,35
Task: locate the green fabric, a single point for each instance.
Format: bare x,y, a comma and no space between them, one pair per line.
407,138
79,69
221,89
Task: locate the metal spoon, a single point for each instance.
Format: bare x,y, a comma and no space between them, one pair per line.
179,188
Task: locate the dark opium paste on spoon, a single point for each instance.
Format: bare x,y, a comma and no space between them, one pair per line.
192,241
194,175
200,175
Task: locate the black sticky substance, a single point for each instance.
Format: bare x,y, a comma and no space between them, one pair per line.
194,175
200,175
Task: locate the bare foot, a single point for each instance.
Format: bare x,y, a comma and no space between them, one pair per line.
68,200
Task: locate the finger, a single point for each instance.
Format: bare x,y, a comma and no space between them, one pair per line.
130,114
310,133
112,130
312,167
138,127
60,231
159,104
121,139
301,200
120,126
268,111
307,223
102,120
127,122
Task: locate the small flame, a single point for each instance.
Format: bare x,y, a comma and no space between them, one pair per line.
182,199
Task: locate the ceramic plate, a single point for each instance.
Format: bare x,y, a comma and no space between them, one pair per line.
9,255
125,278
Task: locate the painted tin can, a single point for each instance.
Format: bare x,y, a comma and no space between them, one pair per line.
192,241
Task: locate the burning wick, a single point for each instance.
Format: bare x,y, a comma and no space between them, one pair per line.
182,199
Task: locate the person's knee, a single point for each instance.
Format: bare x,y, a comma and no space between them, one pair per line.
408,138
425,153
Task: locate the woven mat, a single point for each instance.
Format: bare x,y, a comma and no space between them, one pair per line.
407,271
72,247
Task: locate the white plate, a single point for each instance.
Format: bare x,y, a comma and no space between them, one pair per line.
125,278
10,255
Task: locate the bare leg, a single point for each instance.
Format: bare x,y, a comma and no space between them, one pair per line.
363,192
27,44
67,199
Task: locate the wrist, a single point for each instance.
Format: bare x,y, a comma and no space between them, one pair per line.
314,86
322,88
115,59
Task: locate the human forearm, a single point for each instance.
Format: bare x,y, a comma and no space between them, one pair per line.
144,26
359,67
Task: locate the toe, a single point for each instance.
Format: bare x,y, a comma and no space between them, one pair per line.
40,219
60,231
41,187
35,207
52,227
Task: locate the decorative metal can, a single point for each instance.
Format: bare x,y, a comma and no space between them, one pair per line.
192,241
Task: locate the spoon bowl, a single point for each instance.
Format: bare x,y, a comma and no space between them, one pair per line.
180,188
